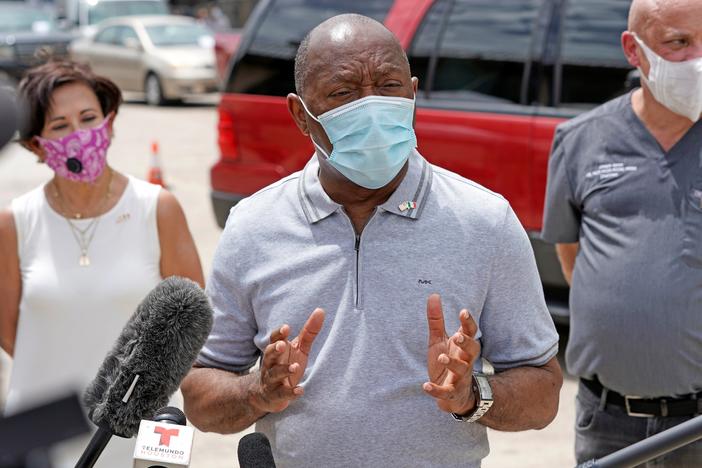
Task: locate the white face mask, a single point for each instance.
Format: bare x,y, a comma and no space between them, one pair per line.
676,85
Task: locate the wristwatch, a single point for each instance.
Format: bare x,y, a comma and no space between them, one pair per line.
483,395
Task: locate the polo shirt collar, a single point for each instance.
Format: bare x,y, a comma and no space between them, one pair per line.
409,198
315,202
406,201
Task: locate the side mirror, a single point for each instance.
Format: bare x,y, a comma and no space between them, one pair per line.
132,43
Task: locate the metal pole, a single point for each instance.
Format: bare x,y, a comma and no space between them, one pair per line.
652,447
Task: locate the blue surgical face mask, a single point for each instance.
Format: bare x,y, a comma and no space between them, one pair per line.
371,138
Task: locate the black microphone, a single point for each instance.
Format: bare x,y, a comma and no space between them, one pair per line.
9,115
255,451
154,352
165,441
170,415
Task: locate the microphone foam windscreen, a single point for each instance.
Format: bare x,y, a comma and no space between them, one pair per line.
254,451
9,116
159,344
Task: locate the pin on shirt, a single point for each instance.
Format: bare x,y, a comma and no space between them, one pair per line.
407,205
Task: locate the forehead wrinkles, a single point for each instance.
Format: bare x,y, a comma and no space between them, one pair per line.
668,16
371,63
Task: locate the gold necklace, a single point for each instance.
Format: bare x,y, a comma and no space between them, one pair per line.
64,209
84,237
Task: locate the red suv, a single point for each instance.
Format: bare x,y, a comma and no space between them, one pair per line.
495,78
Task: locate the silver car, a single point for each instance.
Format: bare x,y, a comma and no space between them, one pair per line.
165,57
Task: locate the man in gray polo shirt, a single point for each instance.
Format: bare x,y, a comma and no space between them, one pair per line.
328,278
625,195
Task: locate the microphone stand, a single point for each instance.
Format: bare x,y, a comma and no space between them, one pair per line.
103,435
652,447
95,447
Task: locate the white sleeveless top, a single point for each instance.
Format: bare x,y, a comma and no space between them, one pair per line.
71,315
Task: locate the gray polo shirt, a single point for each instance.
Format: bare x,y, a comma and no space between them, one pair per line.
636,297
289,249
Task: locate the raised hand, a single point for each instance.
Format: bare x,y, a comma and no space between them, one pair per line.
283,365
450,360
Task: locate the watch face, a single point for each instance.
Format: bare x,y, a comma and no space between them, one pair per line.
484,387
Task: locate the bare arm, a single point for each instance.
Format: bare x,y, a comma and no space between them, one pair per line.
225,402
566,255
218,401
11,283
524,397
178,253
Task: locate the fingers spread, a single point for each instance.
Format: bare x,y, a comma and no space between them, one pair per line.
459,367
280,334
442,392
468,325
278,373
272,353
310,330
435,319
464,347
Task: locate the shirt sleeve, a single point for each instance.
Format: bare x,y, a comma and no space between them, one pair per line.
230,345
561,223
516,327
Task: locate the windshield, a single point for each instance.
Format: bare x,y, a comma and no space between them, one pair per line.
103,10
25,19
163,35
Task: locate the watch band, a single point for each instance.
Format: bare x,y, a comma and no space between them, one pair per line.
483,395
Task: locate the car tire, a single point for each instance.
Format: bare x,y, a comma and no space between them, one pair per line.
153,92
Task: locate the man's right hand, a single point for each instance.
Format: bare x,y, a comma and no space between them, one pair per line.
284,363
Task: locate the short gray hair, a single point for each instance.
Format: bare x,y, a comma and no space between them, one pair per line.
301,69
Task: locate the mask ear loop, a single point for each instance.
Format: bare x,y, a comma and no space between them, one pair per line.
304,106
318,147
643,47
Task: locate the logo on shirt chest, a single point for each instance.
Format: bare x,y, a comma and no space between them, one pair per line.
423,281
610,170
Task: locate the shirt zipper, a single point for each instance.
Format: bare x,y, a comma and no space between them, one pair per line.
357,248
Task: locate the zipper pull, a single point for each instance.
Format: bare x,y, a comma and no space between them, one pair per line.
358,243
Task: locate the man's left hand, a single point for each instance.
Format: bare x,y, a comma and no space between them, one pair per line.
450,360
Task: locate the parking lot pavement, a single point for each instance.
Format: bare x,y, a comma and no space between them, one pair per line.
187,140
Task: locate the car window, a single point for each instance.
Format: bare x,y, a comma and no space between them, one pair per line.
425,41
125,34
267,67
164,35
108,35
591,52
482,47
100,11
15,19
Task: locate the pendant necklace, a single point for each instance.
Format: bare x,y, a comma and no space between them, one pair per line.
84,236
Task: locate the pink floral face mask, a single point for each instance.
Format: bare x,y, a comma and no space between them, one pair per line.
80,156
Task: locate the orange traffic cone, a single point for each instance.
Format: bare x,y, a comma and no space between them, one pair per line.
155,175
